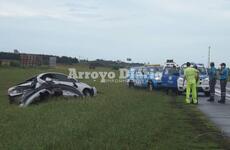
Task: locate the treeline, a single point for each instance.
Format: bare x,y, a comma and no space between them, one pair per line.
112,64
15,58
9,56
45,58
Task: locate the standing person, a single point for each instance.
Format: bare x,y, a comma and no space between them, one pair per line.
223,82
198,74
190,75
197,79
212,72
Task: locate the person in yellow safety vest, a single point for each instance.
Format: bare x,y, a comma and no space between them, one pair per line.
190,75
197,79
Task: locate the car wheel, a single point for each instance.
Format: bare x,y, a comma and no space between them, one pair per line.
179,92
70,90
131,84
58,92
11,100
150,86
44,95
207,94
87,92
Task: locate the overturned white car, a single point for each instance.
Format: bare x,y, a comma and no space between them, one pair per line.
48,84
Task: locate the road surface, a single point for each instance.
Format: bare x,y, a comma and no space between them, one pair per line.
219,114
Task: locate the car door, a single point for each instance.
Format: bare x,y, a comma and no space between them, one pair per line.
138,77
165,77
172,76
131,74
145,77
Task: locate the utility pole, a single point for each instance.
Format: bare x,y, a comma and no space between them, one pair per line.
209,56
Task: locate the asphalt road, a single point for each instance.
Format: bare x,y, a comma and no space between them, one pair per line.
219,114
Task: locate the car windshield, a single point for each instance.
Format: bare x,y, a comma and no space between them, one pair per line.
171,70
155,69
202,70
132,70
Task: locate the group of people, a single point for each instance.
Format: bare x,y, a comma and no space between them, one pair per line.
223,77
192,78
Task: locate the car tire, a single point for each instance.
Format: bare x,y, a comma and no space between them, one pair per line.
207,94
131,84
70,89
44,95
11,100
87,92
150,86
179,93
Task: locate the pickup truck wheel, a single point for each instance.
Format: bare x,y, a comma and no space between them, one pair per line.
207,94
179,93
150,86
131,84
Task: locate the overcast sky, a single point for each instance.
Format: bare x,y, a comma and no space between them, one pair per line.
144,30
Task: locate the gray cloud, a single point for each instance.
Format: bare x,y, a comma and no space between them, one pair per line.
147,30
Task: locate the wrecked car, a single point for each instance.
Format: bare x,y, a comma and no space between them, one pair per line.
48,84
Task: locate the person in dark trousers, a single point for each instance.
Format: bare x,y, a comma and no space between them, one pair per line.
223,82
212,72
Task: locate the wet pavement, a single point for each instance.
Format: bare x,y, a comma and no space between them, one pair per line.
219,114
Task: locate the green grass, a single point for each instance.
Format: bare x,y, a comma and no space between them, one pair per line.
117,118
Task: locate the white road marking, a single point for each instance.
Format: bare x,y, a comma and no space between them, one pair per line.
228,89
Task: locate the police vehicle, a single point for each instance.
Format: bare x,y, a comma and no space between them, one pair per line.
170,77
203,83
152,77
131,76
145,76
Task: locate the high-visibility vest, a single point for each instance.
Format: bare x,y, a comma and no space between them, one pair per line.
191,74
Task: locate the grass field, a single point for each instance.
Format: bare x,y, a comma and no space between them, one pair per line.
117,118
